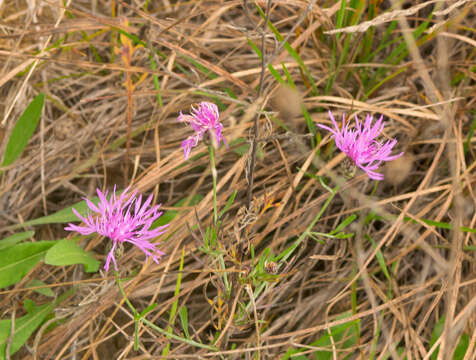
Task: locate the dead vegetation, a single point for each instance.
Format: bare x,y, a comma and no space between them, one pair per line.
117,74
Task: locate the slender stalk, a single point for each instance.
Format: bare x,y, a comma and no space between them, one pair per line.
138,318
121,289
211,151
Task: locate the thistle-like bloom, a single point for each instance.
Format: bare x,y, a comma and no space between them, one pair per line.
360,146
122,221
204,118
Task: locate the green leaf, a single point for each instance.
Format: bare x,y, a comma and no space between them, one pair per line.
16,261
344,223
271,69
45,291
24,327
68,252
168,216
344,334
380,258
63,216
242,147
290,50
228,204
15,238
147,310
461,348
23,130
173,310
183,313
467,143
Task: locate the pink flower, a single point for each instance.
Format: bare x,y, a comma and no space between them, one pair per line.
360,146
115,220
203,119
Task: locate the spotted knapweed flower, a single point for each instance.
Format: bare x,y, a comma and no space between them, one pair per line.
122,221
360,146
202,119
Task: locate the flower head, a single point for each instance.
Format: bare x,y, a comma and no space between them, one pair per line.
122,221
202,119
360,146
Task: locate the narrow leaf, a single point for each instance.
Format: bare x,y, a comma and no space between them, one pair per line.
183,313
15,239
62,216
23,130
16,261
43,291
168,216
24,327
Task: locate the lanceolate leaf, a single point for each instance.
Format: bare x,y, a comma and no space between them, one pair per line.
25,325
16,261
62,216
15,239
23,130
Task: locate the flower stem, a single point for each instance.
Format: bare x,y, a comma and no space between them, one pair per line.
214,176
140,317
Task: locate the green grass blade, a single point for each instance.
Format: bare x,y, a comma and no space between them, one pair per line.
173,310
271,69
380,259
347,221
183,314
290,50
467,143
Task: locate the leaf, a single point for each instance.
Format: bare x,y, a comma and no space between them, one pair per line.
461,348
15,238
16,261
241,147
341,334
23,130
173,310
45,291
24,327
63,216
168,216
228,204
344,223
380,258
344,336
183,313
68,252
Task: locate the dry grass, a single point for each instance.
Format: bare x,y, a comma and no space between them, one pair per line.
105,123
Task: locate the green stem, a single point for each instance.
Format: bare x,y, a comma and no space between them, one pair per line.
139,318
214,176
121,289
